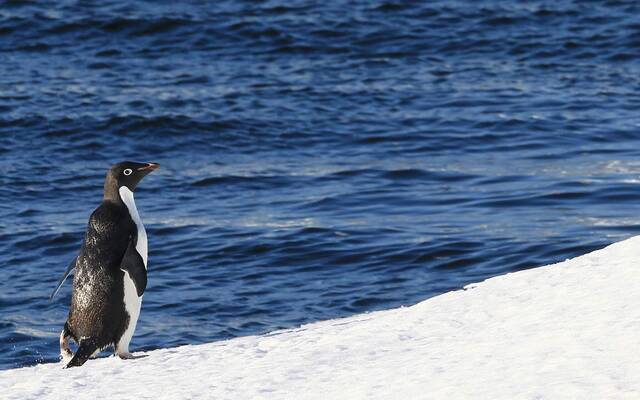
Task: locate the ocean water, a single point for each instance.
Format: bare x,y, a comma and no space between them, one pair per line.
319,159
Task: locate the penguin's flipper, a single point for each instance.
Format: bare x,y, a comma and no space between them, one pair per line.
133,264
70,268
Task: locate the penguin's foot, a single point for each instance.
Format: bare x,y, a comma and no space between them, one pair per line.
65,351
86,347
129,356
66,357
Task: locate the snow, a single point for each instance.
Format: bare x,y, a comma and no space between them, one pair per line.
564,331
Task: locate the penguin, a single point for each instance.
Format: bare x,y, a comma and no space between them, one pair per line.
110,271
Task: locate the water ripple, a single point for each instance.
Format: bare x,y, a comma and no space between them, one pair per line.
319,159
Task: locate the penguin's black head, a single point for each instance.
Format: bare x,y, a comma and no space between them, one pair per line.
127,174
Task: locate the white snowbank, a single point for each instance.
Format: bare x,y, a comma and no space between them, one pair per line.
564,331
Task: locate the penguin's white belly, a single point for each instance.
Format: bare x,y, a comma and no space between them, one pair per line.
132,305
131,300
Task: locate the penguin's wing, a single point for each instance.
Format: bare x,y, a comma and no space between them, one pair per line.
70,268
133,264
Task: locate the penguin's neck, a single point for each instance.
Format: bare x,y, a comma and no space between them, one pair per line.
111,190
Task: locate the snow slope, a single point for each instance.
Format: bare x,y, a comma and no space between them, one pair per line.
564,331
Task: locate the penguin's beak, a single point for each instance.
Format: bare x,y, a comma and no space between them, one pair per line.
149,167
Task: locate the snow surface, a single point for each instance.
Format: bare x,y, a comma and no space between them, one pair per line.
564,331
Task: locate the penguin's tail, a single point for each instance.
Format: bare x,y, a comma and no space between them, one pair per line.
86,348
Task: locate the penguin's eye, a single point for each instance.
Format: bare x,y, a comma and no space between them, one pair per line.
128,171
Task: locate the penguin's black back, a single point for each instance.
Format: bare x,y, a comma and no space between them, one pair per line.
97,306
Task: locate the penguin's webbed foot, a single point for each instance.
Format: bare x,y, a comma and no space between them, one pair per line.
86,348
65,351
129,356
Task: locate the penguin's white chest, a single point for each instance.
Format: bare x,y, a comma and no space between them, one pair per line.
141,245
131,300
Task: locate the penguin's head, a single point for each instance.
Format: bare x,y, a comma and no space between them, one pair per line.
127,174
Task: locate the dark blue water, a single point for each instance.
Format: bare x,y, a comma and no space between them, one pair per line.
317,160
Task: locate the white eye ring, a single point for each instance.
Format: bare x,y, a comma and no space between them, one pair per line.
128,171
